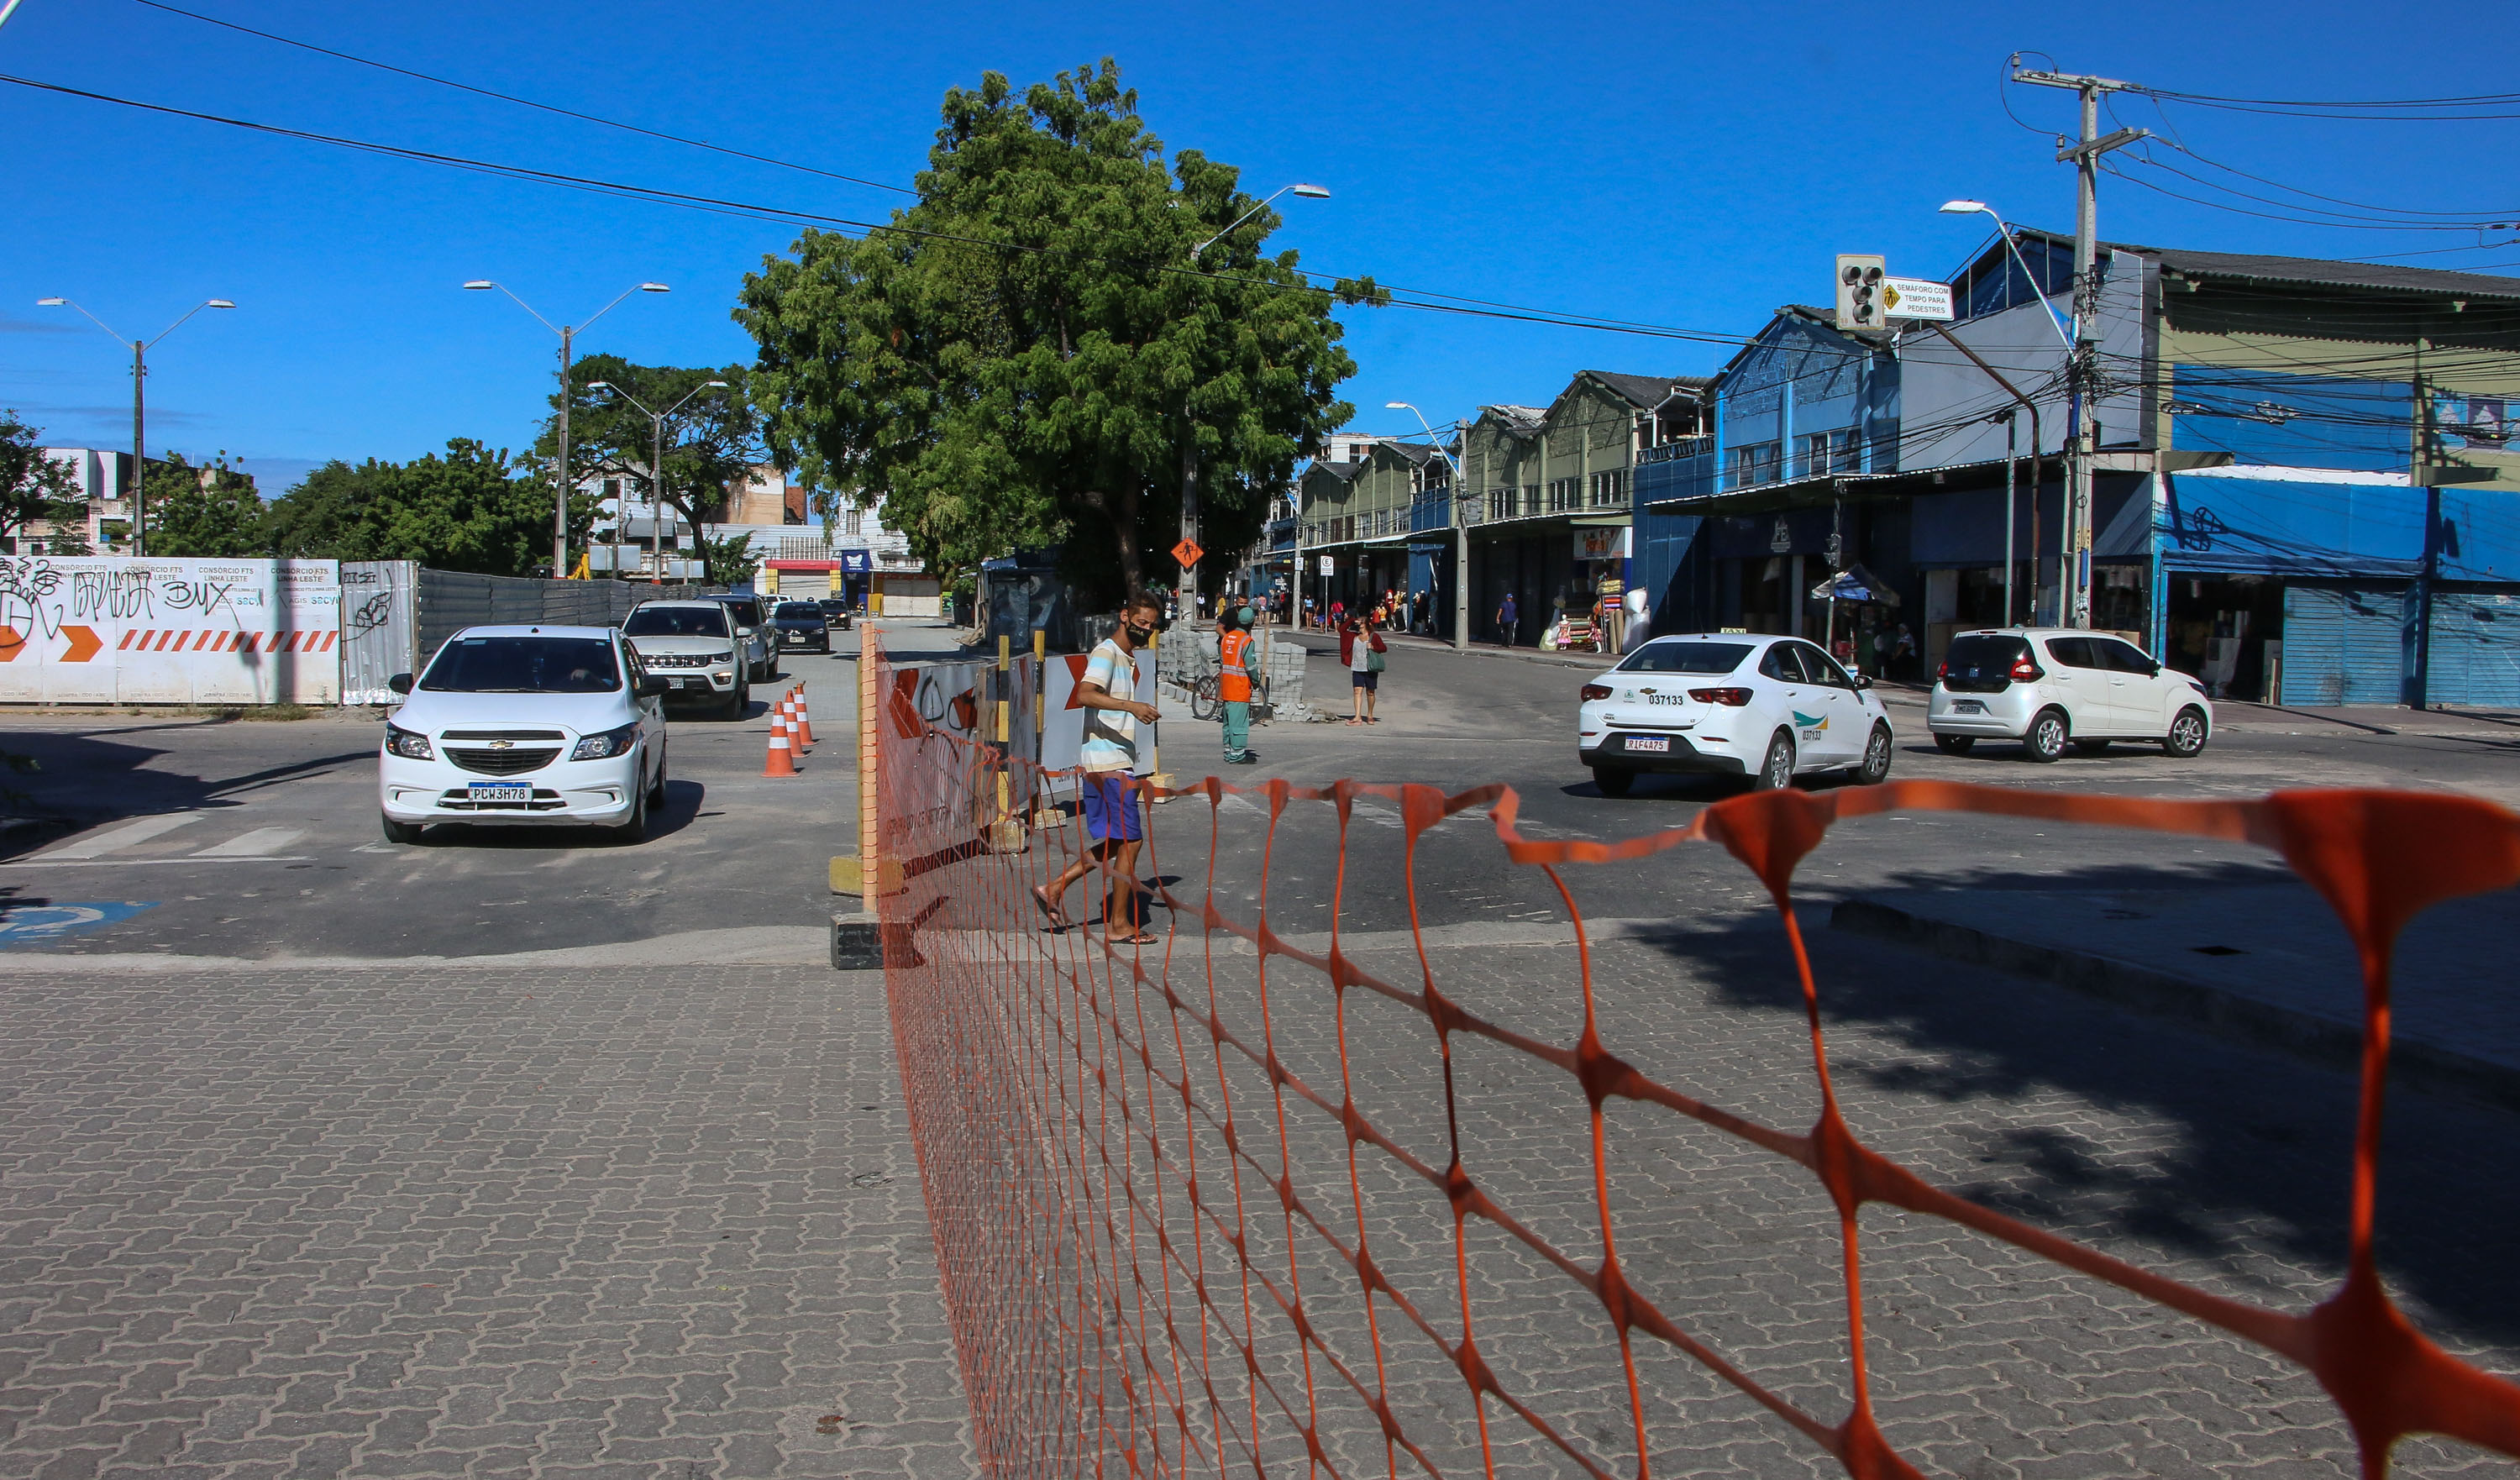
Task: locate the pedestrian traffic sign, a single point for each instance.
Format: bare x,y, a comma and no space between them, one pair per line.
1187,554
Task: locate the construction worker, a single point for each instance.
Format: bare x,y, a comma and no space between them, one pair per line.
1237,655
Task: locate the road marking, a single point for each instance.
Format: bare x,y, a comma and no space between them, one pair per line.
261,842
138,830
38,925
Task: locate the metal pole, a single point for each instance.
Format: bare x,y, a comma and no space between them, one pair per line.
2076,546
2011,436
657,508
139,449
559,469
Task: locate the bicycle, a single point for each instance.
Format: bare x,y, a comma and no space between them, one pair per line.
1207,700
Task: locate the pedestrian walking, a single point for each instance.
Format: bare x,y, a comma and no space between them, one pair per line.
1107,788
1338,616
1238,656
1361,652
1902,645
1507,619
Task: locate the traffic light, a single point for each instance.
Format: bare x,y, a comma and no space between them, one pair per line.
1859,290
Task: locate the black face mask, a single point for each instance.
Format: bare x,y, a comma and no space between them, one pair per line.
1138,635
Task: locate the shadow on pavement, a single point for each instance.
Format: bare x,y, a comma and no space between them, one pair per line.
87,779
2246,1166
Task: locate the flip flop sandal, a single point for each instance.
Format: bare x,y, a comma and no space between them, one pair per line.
1058,921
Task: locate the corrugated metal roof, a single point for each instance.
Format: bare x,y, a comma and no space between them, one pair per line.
2316,272
1646,391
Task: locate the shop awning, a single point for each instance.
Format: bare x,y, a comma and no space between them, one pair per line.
1855,584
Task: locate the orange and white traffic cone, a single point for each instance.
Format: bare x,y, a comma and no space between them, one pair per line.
795,725
805,716
782,760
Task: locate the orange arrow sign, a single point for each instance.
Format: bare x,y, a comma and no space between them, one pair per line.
11,644
84,643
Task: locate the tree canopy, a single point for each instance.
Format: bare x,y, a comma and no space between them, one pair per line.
1031,354
211,512
472,508
33,486
714,439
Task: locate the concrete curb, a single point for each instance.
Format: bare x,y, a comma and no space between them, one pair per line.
2321,1041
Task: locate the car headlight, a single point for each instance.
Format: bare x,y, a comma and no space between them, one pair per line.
410,744
609,744
726,657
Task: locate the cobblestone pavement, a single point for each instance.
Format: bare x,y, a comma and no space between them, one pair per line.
659,1224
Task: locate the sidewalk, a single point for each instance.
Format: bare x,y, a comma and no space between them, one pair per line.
2267,963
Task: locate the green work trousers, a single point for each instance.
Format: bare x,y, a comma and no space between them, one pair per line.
1237,728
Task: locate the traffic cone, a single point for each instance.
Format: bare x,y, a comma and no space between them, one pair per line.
790,705
782,760
805,716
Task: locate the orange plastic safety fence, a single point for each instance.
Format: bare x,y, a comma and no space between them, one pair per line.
1117,1215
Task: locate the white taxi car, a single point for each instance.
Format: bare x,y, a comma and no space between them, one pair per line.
1769,708
510,724
2049,687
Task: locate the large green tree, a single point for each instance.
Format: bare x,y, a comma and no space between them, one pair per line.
1031,354
713,440
472,508
33,486
214,510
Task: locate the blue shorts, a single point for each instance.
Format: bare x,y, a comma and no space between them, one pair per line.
1110,807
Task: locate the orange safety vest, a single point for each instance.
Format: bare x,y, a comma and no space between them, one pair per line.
1234,683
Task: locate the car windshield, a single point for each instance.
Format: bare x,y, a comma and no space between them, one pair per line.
1687,657
799,611
524,665
676,621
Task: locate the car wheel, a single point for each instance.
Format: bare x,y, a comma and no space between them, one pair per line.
740,702
657,789
2187,733
1876,758
401,833
2090,747
1777,772
2045,740
1956,744
1613,779
635,831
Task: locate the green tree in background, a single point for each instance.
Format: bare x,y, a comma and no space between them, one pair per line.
471,508
33,486
1032,355
713,442
726,561
212,510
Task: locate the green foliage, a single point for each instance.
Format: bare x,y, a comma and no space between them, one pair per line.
1033,355
712,441
33,486
727,559
471,508
211,511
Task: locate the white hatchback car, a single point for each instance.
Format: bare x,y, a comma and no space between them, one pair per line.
513,725
2051,686
1769,708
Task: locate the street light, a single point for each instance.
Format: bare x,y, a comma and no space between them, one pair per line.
139,408
1980,207
656,471
560,470
1307,191
1460,530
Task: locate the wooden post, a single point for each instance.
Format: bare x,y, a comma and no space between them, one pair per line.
1005,834
869,763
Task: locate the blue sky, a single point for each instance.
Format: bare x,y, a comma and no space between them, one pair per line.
1690,165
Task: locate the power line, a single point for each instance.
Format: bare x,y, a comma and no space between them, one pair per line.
548,108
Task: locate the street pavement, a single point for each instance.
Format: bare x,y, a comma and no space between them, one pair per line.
267,1074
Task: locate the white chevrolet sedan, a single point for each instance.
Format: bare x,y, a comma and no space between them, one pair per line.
1768,709
513,725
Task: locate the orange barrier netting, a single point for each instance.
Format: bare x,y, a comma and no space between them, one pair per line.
1108,1138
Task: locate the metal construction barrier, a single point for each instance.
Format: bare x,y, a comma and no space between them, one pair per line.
1172,1240
110,629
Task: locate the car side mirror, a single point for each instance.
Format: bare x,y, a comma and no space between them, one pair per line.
1864,681
2156,670
400,682
653,687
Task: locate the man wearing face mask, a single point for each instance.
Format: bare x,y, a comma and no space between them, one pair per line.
1108,757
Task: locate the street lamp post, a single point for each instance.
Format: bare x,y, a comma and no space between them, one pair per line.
1460,531
656,471
139,408
559,469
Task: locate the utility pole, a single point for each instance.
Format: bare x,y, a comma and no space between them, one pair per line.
560,473
139,449
2082,371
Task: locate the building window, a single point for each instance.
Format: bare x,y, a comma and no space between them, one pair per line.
1610,489
1756,463
856,521
1832,452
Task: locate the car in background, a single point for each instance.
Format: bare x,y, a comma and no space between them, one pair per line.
2051,686
1763,707
802,627
691,646
836,609
531,725
753,636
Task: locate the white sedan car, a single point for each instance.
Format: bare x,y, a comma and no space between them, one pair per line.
514,725
1769,708
2049,687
